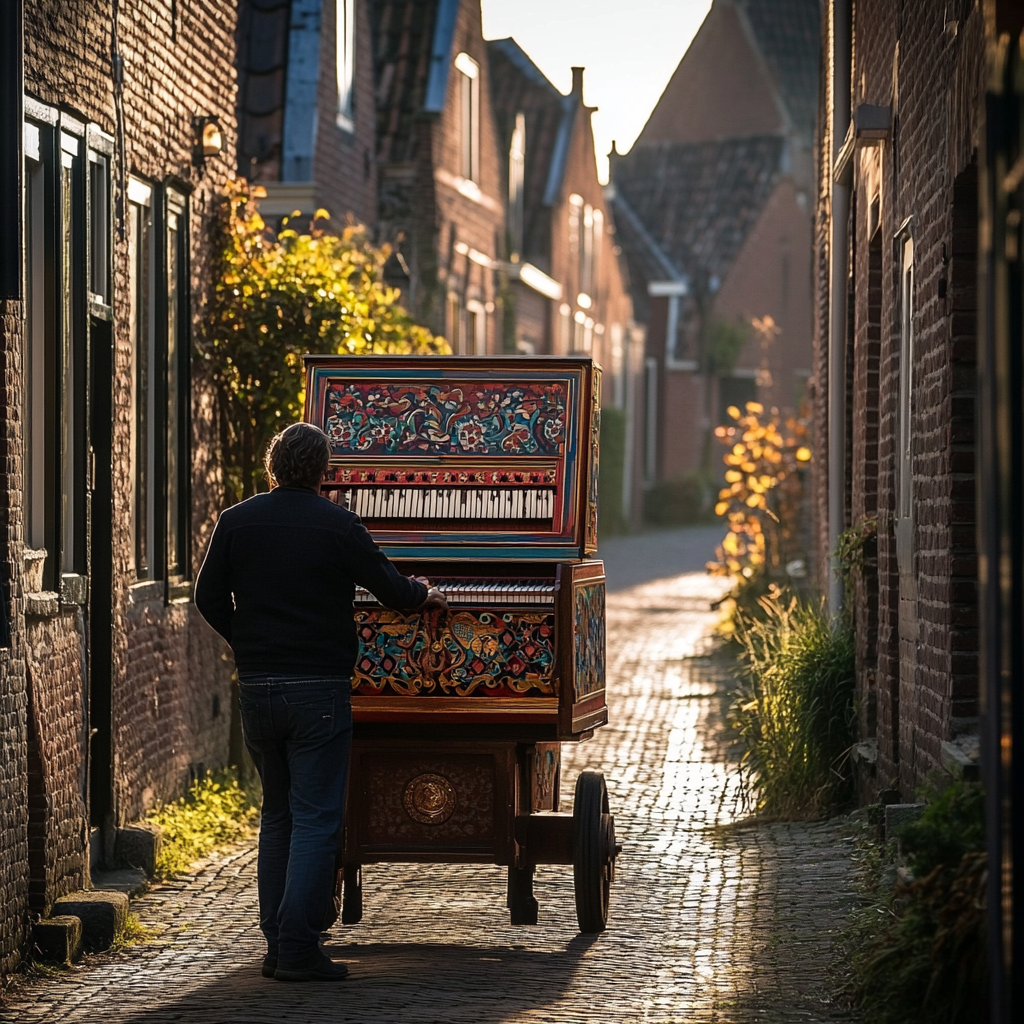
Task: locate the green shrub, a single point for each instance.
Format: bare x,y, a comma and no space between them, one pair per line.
795,710
916,947
215,811
610,519
684,500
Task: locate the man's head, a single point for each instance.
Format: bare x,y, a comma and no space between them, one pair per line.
298,456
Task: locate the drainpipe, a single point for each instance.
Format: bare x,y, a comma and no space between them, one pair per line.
837,315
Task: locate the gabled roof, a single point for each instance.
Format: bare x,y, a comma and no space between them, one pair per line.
690,206
412,42
519,86
788,34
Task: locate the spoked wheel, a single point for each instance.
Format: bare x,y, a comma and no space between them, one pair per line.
521,902
593,852
352,899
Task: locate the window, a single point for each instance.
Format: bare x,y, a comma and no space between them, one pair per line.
345,52
39,411
65,263
99,227
455,324
651,425
516,173
73,368
177,379
476,327
905,493
564,328
469,115
142,324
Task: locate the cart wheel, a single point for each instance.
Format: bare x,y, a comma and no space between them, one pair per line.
593,852
521,904
352,902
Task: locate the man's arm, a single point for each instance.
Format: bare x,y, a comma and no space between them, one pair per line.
371,568
213,586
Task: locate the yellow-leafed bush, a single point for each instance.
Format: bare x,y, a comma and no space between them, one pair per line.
762,497
279,295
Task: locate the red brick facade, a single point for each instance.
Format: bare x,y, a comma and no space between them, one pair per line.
92,648
916,615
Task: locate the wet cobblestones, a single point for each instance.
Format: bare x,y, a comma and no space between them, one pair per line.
712,920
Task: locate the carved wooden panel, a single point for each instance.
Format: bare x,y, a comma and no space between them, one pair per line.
445,800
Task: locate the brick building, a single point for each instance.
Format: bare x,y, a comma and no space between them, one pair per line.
565,290
895,377
713,208
113,692
306,116
440,199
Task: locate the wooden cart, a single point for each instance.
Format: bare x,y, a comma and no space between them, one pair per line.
481,474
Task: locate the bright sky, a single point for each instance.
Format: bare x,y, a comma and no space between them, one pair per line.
629,47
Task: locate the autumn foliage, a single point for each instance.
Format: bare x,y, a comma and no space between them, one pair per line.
763,493
279,295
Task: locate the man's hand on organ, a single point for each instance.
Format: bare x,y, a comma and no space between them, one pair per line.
436,601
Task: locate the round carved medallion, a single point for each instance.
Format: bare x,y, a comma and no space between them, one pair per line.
429,799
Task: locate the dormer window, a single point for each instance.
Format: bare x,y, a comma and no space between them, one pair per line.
345,51
469,116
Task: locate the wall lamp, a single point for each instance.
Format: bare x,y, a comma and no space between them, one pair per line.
207,138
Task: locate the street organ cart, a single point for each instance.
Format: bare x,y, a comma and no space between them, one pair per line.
480,474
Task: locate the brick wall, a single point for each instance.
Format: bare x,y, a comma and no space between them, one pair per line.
917,629
171,676
13,696
58,829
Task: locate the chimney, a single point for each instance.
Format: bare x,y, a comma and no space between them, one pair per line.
577,82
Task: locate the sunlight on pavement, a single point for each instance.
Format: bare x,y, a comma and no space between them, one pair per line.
695,932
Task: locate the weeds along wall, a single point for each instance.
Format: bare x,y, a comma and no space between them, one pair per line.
93,646
913,230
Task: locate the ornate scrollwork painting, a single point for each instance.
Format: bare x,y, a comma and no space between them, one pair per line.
464,418
456,655
588,625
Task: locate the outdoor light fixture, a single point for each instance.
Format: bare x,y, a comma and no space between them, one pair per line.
208,139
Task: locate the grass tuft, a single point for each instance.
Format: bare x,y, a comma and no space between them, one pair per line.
915,947
795,709
133,932
214,812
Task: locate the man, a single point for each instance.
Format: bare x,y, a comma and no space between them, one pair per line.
270,585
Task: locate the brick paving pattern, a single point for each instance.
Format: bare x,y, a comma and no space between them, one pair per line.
712,920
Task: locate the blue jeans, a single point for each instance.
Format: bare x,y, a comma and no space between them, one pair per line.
299,733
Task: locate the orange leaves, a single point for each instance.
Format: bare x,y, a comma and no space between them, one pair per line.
761,499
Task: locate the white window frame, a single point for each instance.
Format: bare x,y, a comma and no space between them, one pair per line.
469,117
345,62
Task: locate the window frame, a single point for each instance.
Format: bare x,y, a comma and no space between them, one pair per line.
469,117
516,182
905,405
175,386
345,28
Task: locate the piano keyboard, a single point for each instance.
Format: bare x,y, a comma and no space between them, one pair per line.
450,502
484,592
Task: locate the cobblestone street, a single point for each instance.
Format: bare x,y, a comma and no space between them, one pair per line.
712,920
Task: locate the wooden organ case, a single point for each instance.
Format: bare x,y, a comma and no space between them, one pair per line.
480,474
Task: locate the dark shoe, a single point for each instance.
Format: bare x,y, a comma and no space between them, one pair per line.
269,965
315,967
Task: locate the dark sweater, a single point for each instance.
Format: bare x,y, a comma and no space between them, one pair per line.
279,578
